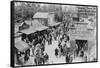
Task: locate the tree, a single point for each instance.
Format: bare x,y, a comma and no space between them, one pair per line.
25,10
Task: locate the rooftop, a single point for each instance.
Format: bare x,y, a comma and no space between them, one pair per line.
41,15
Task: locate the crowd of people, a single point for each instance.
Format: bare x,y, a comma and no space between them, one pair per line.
38,40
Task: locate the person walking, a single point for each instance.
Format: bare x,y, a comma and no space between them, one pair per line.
67,58
56,52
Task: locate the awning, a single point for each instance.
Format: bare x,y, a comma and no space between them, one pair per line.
21,46
18,34
42,28
36,26
28,31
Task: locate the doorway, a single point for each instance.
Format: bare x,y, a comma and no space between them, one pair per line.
82,45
